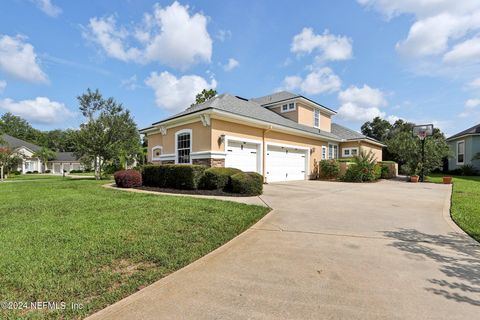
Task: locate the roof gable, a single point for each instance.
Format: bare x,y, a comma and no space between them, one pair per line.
469,131
15,143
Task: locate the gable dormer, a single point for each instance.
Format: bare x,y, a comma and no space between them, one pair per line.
299,109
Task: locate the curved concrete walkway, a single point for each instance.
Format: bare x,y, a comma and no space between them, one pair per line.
329,250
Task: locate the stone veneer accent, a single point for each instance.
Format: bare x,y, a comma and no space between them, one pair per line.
168,162
209,162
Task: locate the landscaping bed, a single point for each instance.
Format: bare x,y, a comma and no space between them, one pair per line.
194,192
70,240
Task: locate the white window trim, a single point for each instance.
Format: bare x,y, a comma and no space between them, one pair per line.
328,151
350,149
456,152
288,107
254,141
324,148
176,144
154,158
314,116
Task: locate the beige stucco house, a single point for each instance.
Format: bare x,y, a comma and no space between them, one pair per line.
280,136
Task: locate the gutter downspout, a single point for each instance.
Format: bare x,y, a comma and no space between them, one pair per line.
264,154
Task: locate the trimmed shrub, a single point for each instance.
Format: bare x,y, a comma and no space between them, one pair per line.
29,172
128,178
16,173
76,171
329,169
218,178
176,176
35,171
247,183
48,171
385,173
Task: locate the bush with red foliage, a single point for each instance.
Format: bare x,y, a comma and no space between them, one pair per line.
128,178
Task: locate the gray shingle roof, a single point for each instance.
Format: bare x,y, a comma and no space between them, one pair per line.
472,130
349,134
346,133
250,109
275,97
15,143
65,157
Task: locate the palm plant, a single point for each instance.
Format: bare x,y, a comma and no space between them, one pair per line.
45,154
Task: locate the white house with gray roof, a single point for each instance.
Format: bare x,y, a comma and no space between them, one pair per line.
62,162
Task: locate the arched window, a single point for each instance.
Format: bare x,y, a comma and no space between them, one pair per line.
183,146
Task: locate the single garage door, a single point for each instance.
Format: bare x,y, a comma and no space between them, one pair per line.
242,155
285,164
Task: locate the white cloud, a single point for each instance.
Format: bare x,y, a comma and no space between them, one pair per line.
48,7
39,110
361,104
130,83
439,24
18,58
475,83
170,36
322,80
231,64
176,94
330,47
470,109
223,35
3,85
465,52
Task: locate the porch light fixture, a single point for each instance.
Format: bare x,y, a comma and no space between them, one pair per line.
221,139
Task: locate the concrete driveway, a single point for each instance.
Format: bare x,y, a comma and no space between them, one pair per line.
329,250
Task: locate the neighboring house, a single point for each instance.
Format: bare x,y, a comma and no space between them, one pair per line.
465,146
62,161
281,136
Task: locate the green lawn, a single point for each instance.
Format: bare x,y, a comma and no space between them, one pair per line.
76,242
465,203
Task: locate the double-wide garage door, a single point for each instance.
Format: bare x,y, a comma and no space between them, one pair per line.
282,163
285,164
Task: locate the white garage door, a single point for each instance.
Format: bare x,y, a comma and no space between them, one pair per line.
242,155
285,164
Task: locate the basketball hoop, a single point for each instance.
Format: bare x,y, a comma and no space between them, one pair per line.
423,131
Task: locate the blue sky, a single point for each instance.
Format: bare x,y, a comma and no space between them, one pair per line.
415,60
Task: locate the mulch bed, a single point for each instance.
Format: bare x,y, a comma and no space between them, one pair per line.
196,192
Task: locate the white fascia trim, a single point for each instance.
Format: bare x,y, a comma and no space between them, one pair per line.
147,130
463,136
153,153
268,125
259,144
208,155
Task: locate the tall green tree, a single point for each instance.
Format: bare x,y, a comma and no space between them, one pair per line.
108,134
205,95
19,128
45,154
378,129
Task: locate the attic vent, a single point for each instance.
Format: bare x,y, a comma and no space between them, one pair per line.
241,98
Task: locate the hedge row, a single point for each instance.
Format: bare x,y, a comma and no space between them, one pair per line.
200,177
176,176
